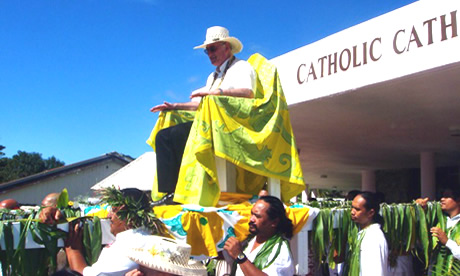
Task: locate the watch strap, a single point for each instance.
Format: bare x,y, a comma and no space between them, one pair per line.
241,258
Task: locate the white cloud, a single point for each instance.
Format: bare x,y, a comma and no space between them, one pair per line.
193,79
170,94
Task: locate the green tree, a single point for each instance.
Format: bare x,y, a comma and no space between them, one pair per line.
3,162
52,162
24,164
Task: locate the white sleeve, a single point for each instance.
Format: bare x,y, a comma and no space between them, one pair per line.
454,248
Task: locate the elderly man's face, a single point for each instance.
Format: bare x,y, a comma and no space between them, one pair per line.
218,52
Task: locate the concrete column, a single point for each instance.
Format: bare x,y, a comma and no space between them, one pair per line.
368,181
305,193
427,175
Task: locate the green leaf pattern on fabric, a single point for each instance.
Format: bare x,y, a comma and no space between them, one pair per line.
254,134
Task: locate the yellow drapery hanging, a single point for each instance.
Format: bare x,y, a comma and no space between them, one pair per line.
254,134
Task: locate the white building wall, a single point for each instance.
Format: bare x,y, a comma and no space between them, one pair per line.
78,183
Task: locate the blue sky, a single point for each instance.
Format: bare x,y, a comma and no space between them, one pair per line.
78,77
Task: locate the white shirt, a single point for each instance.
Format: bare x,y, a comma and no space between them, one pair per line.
404,266
113,260
451,244
283,264
239,75
373,252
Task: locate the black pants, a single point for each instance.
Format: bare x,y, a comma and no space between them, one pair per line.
170,144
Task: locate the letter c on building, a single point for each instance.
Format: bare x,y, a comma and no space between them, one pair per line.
395,48
298,73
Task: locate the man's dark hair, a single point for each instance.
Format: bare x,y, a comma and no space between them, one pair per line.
137,196
351,194
456,193
373,202
276,211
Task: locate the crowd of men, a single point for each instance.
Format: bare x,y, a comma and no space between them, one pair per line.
265,251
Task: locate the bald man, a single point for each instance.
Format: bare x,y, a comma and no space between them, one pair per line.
49,214
9,204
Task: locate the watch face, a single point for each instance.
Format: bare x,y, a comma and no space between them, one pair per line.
241,256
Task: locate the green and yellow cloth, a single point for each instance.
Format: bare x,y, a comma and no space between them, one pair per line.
254,134
207,228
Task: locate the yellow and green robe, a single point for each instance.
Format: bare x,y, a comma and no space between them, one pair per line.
254,134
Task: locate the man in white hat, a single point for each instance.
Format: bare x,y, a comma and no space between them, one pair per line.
232,77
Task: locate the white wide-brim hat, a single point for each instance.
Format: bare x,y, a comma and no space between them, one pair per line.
167,255
220,34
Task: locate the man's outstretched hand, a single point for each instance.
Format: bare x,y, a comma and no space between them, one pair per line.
161,107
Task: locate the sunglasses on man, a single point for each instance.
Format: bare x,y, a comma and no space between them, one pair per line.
211,49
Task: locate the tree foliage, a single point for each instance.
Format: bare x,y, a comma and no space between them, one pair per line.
24,164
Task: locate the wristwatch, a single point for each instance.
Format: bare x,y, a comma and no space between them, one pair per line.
241,258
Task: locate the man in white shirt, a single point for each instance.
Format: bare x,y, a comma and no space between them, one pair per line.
371,246
267,251
113,260
232,77
450,204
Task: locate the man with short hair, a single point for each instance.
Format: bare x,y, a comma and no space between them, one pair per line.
267,250
232,77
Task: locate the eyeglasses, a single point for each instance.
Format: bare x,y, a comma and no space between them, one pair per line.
211,49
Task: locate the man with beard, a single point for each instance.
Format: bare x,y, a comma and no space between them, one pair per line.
266,251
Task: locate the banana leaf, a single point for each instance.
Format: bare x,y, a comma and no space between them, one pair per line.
48,236
8,252
318,237
410,214
63,199
422,241
92,240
